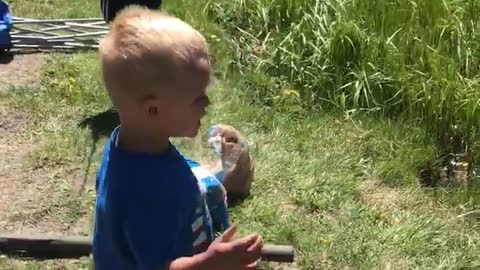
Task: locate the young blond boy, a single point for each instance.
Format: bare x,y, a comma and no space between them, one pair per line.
149,211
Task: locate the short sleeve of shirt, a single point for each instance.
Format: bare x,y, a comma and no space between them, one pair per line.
151,237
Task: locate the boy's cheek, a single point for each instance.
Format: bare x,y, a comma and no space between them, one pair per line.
190,133
185,127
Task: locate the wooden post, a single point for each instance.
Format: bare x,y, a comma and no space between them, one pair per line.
45,247
50,247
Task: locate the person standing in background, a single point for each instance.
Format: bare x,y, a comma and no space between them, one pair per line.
110,8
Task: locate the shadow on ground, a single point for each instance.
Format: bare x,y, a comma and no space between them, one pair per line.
6,58
100,125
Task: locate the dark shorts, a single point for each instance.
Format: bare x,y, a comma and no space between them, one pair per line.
110,8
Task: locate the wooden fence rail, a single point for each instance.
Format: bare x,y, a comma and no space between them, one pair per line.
51,247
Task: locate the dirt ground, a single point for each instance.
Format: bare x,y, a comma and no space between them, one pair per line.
29,201
20,69
29,197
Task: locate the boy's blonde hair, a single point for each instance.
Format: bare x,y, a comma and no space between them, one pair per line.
146,50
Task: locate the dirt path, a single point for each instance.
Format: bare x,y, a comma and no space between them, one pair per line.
23,190
32,200
19,70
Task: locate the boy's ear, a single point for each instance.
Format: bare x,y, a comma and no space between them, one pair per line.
150,107
152,111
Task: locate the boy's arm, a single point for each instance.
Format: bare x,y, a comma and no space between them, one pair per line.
152,232
224,253
197,262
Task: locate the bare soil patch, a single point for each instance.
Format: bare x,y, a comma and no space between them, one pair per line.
31,201
19,69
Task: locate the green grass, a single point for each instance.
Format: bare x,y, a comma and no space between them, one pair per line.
55,9
340,187
415,60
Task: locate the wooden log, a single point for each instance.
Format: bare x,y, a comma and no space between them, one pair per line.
64,27
89,26
35,43
278,253
99,33
42,47
35,31
28,20
80,45
27,37
51,247
54,44
101,22
39,42
53,27
45,247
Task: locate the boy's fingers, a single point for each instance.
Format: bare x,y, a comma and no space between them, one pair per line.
245,243
228,235
252,265
254,251
257,246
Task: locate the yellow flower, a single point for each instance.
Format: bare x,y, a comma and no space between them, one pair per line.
291,92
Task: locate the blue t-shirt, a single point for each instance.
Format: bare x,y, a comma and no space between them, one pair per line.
149,210
215,196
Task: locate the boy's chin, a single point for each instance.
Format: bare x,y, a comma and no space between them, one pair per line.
191,135
193,132
190,132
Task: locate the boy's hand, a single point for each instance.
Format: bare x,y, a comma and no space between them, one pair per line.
240,254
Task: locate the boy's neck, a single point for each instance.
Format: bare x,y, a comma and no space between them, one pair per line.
134,141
